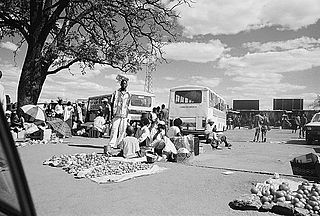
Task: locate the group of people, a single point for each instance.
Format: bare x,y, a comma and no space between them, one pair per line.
72,114
299,123
151,131
261,125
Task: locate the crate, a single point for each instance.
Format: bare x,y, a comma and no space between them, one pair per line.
305,169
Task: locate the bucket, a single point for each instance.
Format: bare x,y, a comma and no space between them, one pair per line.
151,158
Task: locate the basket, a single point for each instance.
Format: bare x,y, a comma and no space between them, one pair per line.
305,169
151,158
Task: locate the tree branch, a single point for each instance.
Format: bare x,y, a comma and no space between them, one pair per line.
63,67
8,21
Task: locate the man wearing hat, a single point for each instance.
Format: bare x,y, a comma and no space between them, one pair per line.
213,137
120,110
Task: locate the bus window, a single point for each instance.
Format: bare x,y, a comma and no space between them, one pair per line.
192,96
141,101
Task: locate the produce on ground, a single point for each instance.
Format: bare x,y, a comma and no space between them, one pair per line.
306,195
94,165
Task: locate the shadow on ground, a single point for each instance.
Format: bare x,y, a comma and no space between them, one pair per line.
86,146
296,142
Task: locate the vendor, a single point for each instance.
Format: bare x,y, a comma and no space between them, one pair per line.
143,133
162,144
99,124
16,122
175,130
213,137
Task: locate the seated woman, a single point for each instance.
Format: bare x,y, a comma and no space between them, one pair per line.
129,146
99,124
143,133
175,130
213,137
162,144
16,122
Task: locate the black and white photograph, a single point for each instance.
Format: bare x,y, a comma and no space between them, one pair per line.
159,107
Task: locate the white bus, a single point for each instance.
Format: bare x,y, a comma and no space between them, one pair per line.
141,104
194,105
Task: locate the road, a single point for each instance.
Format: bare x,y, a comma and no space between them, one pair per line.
197,188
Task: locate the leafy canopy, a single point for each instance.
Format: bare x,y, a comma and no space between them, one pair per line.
119,33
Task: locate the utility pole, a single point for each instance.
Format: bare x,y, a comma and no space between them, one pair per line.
150,68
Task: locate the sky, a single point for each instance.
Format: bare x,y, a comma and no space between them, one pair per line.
249,49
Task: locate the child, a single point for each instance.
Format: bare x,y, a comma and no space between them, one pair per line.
129,145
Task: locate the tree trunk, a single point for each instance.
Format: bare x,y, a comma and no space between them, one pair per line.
33,75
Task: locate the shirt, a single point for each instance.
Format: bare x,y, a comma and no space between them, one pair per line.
143,134
164,113
98,123
68,110
121,100
58,109
129,145
209,130
173,131
3,98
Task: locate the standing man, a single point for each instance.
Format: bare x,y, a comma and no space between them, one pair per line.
257,126
164,115
120,109
2,96
106,109
59,110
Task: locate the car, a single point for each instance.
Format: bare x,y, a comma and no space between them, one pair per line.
15,197
313,129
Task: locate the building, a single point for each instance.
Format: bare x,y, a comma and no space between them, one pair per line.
288,104
245,104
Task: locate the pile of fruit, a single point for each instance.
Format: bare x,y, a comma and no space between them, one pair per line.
31,142
306,196
94,165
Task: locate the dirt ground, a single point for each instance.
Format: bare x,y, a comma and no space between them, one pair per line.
198,188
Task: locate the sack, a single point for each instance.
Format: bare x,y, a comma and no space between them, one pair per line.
182,142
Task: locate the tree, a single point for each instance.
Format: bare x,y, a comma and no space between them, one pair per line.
316,103
60,33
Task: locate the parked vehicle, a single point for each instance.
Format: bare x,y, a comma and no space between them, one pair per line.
313,129
141,104
194,105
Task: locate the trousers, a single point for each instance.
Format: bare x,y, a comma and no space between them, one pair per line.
118,131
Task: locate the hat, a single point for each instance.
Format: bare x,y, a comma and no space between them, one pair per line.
161,123
105,99
210,120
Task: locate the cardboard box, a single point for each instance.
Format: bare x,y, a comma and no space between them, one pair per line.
47,134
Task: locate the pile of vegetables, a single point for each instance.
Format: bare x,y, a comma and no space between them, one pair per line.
31,142
94,165
306,196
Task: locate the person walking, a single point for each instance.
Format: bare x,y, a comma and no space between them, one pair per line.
303,122
2,96
257,126
120,109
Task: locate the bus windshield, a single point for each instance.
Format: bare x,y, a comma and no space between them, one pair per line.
187,97
141,100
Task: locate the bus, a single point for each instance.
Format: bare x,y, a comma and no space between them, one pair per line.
141,104
194,105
